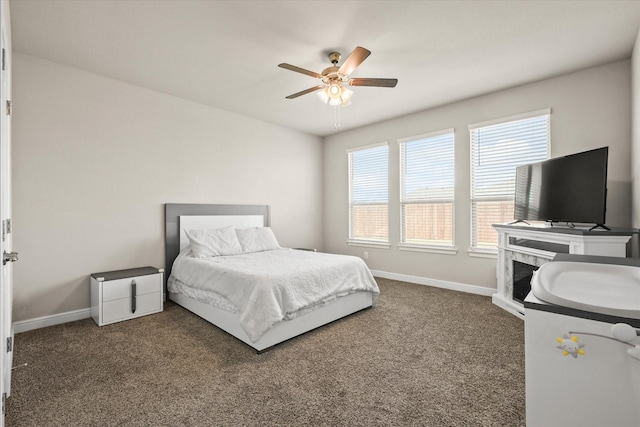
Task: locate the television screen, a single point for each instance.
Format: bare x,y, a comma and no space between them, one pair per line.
563,189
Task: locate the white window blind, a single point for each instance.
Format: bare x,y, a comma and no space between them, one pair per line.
496,150
427,183
369,194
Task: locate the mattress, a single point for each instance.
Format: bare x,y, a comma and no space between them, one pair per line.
267,287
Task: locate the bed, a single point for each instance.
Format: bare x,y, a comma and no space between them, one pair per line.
335,285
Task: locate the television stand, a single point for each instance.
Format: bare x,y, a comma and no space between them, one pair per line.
600,226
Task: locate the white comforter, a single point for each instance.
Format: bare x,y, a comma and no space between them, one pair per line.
267,287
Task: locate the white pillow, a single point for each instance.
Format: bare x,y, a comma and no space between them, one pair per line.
257,239
215,242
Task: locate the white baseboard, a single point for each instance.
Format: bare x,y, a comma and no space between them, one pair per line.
55,319
454,286
71,316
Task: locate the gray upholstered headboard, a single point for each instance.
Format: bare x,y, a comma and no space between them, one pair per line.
173,211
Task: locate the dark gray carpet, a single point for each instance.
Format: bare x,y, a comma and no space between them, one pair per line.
421,356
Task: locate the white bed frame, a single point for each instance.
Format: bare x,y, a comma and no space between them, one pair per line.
179,217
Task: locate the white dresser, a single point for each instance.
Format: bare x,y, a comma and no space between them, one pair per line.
126,294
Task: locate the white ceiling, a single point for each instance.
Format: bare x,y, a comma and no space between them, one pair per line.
225,53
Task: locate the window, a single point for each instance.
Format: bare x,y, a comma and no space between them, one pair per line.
497,148
369,194
427,190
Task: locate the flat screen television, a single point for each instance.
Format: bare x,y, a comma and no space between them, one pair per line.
570,189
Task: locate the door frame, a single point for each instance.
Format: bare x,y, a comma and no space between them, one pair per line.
6,278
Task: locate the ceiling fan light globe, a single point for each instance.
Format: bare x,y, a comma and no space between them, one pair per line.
334,90
335,94
324,97
345,96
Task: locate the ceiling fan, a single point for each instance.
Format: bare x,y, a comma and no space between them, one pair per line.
333,90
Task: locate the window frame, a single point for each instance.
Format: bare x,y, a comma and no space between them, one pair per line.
403,245
374,243
483,251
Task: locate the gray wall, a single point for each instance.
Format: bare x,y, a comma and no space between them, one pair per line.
95,159
589,109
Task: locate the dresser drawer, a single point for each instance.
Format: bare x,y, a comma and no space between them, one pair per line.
122,288
121,309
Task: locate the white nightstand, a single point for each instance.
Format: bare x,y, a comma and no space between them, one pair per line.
126,294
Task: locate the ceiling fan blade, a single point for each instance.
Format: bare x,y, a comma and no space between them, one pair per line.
300,70
358,55
373,82
306,91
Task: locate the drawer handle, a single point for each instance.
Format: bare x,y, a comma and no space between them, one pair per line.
133,296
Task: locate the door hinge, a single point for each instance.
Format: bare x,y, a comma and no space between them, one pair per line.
9,344
4,398
3,60
9,108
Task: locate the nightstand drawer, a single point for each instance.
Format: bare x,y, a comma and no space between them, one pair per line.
116,289
121,309
126,294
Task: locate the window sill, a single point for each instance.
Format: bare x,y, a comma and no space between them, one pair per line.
365,244
483,253
444,250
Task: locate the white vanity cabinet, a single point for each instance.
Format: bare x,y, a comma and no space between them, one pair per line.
126,294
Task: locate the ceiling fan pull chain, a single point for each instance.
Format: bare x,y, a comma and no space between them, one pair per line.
336,117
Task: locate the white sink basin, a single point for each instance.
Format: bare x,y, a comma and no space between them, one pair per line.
598,288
